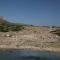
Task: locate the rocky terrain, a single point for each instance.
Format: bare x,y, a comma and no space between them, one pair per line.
34,38
20,36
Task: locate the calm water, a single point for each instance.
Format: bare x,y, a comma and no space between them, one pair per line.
29,55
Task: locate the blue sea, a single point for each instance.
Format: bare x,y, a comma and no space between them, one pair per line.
29,55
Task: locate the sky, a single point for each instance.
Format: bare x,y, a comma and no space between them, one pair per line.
35,12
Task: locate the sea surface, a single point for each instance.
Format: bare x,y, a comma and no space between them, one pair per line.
29,55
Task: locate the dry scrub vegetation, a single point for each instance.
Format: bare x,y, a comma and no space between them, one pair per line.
30,37
18,36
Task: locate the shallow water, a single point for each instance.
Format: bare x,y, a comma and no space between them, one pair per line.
29,55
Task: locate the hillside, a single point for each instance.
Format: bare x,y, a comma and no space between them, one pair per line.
6,26
28,37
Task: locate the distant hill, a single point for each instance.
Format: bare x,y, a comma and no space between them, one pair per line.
6,26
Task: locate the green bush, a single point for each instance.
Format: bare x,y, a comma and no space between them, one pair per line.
6,28
57,32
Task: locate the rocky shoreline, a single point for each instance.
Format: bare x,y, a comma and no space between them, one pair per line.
33,38
34,49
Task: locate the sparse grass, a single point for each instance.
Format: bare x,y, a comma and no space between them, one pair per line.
55,45
38,28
